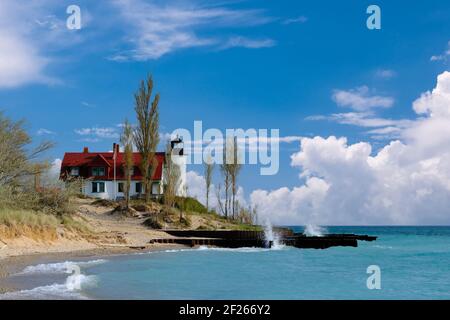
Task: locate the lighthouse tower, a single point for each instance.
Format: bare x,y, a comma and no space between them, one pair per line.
179,158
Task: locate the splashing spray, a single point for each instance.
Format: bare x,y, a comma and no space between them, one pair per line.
272,238
312,230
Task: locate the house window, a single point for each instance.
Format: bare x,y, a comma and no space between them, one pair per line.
138,187
74,171
98,187
120,187
98,171
155,188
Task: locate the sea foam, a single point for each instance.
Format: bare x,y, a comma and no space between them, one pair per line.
58,267
70,289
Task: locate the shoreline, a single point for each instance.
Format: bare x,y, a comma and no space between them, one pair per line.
109,235
11,265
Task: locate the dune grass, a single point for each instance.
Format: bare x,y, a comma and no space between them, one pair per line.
15,217
37,225
20,222
72,224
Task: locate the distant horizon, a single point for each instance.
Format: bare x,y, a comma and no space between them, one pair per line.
351,226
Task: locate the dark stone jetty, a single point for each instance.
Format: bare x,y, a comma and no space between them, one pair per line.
239,239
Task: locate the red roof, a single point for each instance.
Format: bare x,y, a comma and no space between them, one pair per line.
86,160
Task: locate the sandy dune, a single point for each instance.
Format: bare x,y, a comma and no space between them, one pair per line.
108,231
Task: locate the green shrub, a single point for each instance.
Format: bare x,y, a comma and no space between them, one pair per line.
185,221
51,200
104,203
54,201
74,225
153,223
190,204
141,207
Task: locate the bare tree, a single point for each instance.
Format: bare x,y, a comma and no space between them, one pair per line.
234,169
247,215
230,169
225,170
146,135
220,204
16,160
126,139
209,168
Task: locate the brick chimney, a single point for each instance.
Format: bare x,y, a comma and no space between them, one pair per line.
85,150
116,148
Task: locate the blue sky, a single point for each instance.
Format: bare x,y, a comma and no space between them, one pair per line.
290,65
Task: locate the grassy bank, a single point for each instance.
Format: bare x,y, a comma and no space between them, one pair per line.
50,214
16,223
38,214
188,213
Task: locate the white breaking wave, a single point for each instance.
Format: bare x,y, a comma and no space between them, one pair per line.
71,289
58,267
50,292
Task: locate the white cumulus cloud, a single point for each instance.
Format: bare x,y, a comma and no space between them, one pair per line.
196,188
406,182
20,63
29,36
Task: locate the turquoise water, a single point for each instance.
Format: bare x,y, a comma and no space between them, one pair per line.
414,263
